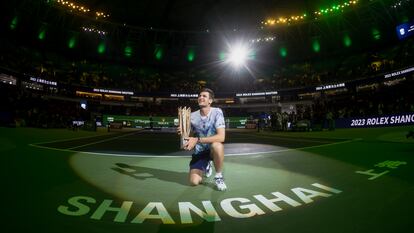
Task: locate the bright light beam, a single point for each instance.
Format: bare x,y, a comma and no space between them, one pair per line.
238,55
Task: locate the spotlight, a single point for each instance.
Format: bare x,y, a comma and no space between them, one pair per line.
238,55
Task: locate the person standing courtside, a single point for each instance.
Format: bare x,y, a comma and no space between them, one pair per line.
208,127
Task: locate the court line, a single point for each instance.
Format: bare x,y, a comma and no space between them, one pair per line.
73,139
286,138
320,137
100,141
185,156
71,148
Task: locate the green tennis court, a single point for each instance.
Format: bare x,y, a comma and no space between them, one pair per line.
353,180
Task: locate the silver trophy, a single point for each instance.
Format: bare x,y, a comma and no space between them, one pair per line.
184,122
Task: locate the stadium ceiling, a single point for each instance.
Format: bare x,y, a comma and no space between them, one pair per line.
167,28
208,15
199,15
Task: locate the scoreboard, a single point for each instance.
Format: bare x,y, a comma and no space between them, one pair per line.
405,30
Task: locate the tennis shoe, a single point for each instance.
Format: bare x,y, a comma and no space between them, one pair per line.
220,185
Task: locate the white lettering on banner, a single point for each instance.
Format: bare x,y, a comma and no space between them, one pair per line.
332,86
379,121
408,70
237,207
43,81
257,94
113,91
184,95
402,119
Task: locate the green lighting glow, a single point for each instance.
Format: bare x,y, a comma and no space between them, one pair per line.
13,23
347,41
42,34
128,51
222,56
283,52
101,47
191,55
252,55
335,8
316,46
72,42
158,52
376,34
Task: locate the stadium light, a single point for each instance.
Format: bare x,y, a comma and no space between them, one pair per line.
191,54
72,42
316,46
283,52
238,55
13,23
376,34
42,32
128,51
347,40
158,52
101,47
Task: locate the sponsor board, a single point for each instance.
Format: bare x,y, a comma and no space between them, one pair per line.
376,121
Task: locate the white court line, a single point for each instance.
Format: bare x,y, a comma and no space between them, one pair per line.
73,139
286,138
100,141
183,156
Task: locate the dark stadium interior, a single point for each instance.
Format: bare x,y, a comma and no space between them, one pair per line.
324,84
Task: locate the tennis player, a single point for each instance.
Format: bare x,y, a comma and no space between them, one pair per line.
208,128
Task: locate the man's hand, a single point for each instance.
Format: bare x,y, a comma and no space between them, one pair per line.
190,143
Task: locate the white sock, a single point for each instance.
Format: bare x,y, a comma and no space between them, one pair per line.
218,174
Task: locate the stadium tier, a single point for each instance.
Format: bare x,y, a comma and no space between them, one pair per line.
207,116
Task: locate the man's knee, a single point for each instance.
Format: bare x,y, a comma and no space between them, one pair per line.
195,177
194,181
217,146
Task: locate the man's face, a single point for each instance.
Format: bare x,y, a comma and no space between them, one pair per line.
204,99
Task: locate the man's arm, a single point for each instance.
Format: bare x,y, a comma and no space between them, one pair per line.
219,137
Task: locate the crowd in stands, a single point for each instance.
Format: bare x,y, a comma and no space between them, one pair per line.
25,107
147,79
35,108
384,100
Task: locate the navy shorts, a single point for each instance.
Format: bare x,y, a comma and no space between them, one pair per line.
200,161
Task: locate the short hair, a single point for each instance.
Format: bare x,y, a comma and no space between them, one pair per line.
210,92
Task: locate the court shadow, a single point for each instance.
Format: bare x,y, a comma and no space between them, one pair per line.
142,173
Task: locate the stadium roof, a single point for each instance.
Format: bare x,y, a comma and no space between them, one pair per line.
199,15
